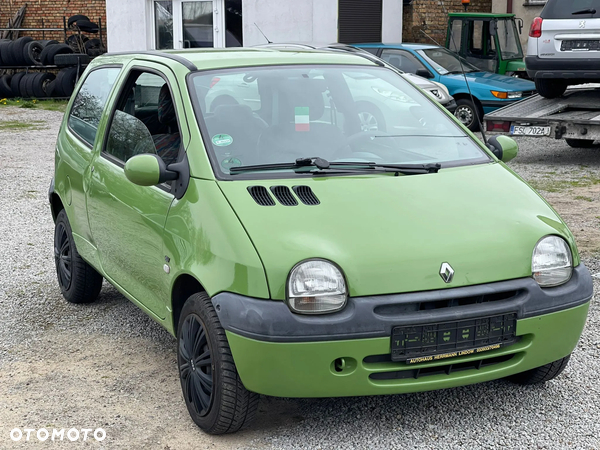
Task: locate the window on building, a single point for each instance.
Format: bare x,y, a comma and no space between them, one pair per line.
90,101
163,24
359,21
233,23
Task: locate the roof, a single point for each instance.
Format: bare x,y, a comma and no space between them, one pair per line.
209,58
481,15
408,46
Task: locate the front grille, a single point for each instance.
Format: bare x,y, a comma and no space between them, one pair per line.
284,195
261,195
400,308
438,370
528,93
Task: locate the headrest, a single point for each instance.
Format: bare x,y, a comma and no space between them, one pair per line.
166,108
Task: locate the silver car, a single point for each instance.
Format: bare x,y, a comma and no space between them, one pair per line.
564,46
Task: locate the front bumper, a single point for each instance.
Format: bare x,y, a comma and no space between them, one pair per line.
348,353
573,68
450,106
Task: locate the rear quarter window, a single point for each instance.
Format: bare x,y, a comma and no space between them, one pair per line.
90,101
563,9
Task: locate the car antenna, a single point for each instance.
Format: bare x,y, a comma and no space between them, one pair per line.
463,73
264,35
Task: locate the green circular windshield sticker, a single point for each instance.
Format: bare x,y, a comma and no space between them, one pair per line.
228,163
222,140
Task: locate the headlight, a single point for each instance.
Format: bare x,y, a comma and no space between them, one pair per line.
552,263
507,95
316,287
515,94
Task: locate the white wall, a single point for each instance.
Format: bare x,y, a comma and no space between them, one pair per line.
128,27
391,31
524,10
289,21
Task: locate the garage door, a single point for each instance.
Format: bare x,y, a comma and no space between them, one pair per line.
359,21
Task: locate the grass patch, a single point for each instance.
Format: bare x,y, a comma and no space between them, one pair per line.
18,126
553,185
47,105
584,198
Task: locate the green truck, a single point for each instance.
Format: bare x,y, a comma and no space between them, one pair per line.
488,41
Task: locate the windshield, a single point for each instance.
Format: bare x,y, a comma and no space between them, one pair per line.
560,9
508,40
445,62
255,116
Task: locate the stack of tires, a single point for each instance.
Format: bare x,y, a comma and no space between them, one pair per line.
39,84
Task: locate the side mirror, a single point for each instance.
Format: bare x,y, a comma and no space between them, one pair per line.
424,73
148,170
504,147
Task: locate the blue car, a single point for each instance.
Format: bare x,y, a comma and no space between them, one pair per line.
490,90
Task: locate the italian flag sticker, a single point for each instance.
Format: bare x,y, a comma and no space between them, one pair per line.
302,118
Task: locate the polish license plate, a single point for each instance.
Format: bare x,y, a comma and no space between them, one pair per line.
529,131
592,44
424,343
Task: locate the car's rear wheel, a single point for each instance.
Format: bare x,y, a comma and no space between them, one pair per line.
541,374
550,88
467,113
580,143
214,395
78,281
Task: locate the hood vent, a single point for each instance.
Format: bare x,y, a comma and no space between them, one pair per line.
284,195
261,195
306,195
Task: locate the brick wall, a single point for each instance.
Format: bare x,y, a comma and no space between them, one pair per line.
429,16
49,14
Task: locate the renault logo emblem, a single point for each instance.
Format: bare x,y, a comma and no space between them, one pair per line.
446,272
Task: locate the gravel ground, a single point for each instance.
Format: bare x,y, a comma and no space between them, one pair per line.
108,365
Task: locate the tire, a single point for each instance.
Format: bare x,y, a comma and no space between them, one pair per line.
15,82
467,113
87,26
23,85
5,87
67,81
371,118
40,84
71,59
580,143
48,42
17,50
50,89
541,374
75,18
32,53
93,46
45,52
29,82
5,53
78,281
54,50
550,88
77,42
215,397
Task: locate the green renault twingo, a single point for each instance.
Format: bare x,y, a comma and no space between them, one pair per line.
297,247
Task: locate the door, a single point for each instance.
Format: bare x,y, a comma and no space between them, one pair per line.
201,24
480,48
127,220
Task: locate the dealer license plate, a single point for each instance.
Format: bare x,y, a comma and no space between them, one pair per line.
423,343
529,131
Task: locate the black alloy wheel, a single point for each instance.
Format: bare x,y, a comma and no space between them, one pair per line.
62,256
195,365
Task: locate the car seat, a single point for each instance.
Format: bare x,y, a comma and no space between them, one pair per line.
167,144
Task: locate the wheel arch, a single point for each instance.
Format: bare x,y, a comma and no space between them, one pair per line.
184,286
56,205
467,96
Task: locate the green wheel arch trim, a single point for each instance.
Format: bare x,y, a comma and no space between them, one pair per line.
306,369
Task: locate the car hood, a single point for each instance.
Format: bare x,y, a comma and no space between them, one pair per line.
495,81
391,234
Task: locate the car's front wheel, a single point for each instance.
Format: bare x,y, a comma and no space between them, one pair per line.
468,114
78,281
541,374
214,395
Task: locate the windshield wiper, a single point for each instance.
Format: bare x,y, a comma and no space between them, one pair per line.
585,11
324,166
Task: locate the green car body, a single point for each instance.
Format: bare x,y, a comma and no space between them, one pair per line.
388,234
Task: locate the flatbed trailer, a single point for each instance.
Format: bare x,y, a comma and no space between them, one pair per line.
575,117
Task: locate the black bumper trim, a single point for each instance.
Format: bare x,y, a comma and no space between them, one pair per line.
562,68
271,320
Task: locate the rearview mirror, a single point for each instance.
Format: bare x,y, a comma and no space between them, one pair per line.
504,147
148,170
424,73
